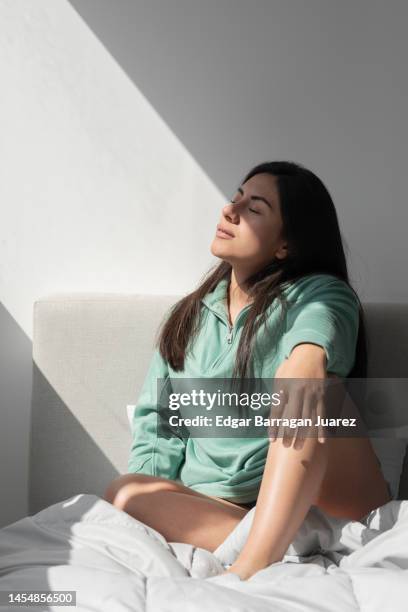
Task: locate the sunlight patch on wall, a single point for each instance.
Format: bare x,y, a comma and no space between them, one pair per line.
97,193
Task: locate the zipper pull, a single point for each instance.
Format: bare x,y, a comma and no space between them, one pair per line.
229,336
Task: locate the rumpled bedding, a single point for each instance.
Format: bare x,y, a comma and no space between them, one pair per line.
116,563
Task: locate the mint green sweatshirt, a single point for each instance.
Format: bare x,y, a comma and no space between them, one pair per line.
322,310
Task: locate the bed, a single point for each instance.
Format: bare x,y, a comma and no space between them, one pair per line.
90,356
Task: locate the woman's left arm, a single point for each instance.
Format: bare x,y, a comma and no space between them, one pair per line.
291,480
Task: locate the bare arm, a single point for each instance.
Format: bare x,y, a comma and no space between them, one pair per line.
290,482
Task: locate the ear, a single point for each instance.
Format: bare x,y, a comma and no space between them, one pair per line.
282,252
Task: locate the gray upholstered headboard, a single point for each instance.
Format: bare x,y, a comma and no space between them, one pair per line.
90,357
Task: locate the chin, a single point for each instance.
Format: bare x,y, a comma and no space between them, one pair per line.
218,250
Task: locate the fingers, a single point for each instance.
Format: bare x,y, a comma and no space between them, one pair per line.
293,410
320,414
308,412
277,412
303,403
291,407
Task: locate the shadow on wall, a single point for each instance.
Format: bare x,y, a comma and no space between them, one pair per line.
64,459
15,392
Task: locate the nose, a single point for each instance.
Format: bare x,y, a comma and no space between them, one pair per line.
230,211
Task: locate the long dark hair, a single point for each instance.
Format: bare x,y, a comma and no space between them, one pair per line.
315,245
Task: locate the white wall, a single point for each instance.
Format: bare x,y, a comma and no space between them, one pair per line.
322,82
96,192
123,124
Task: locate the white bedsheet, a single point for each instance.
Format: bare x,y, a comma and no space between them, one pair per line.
118,564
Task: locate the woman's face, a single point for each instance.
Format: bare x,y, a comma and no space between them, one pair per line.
253,218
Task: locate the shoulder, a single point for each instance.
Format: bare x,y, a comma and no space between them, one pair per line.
318,287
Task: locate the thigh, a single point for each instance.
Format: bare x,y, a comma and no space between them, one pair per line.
353,484
174,510
156,483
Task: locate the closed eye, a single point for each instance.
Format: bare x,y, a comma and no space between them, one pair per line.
251,209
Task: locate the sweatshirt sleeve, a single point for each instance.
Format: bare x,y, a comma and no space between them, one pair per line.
151,454
326,312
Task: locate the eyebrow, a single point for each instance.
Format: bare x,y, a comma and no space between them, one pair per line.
260,198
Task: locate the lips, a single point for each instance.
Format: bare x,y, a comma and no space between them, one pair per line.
225,231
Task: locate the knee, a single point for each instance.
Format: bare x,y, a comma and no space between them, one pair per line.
125,486
119,483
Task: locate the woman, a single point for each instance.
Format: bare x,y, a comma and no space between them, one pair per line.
279,305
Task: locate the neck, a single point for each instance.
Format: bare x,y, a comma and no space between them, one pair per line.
237,288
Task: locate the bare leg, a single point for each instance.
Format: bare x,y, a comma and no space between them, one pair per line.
177,512
340,476
290,485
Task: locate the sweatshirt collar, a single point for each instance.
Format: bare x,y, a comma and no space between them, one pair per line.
216,301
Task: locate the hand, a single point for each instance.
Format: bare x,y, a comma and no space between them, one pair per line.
302,384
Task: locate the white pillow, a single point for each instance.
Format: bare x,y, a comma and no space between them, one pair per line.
130,409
